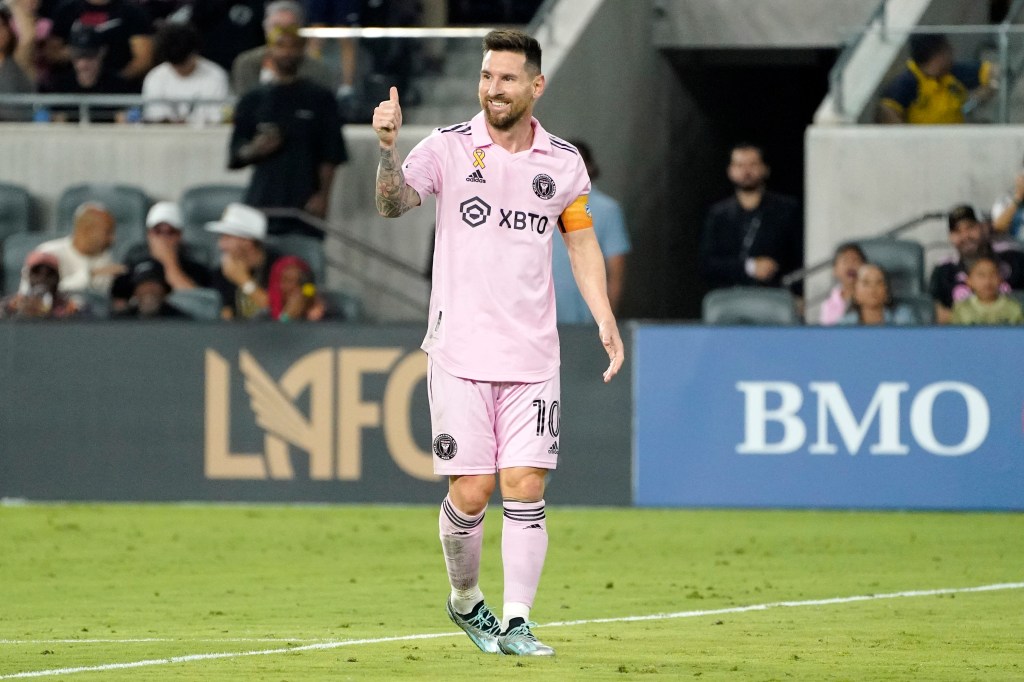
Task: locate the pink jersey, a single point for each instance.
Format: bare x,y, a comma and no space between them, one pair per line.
492,305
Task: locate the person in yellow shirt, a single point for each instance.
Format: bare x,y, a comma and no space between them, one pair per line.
934,88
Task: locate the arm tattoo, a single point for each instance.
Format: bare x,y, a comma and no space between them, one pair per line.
393,196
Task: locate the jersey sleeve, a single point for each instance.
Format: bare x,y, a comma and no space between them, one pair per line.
422,168
576,215
901,92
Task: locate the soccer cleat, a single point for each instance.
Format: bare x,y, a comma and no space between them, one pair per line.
480,624
520,641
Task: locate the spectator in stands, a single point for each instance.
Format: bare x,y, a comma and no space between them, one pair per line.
610,228
292,293
338,13
88,77
986,304
934,88
290,131
149,291
41,297
258,66
126,30
33,30
846,261
228,27
245,263
872,301
183,74
14,80
85,257
970,239
1008,211
754,237
164,246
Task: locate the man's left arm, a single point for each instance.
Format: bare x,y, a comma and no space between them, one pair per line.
588,269
320,201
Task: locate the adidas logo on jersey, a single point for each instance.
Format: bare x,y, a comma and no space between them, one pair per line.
475,176
553,450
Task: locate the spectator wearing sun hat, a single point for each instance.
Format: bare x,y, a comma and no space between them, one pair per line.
245,262
164,245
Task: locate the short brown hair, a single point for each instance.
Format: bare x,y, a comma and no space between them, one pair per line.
514,40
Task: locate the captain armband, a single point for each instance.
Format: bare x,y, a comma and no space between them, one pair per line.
576,216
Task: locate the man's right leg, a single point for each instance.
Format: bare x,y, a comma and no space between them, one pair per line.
461,528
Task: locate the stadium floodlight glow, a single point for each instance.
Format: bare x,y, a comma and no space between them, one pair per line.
397,32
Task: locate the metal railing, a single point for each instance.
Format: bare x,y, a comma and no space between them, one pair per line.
397,265
1009,53
803,273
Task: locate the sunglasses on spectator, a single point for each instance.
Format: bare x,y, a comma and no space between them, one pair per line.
164,229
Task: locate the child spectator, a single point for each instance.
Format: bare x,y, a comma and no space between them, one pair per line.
872,301
292,292
846,261
987,304
40,297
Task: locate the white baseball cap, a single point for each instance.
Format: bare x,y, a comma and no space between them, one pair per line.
240,220
164,212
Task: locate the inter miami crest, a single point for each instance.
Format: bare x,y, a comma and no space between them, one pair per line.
445,446
544,186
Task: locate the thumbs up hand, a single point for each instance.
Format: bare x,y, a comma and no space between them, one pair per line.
387,119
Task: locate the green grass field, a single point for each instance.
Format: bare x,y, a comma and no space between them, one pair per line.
310,584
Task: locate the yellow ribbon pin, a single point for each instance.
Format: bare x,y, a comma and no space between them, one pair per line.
478,156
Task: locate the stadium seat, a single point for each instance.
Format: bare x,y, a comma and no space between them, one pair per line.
309,249
15,210
199,303
349,305
902,260
921,304
128,203
16,247
750,306
201,204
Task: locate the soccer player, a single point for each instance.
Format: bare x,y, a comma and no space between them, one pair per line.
504,185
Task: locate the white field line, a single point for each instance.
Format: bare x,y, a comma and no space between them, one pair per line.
408,638
137,640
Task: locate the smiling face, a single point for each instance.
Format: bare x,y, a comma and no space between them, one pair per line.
871,291
508,88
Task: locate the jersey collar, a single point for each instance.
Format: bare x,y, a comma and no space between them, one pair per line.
481,138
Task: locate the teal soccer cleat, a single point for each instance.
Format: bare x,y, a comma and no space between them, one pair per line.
480,624
520,641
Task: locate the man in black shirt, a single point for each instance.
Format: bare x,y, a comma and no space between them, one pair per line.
126,29
291,131
754,237
970,238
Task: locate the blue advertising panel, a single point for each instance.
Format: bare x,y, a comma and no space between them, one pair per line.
924,418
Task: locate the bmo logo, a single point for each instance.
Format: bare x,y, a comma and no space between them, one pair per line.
901,416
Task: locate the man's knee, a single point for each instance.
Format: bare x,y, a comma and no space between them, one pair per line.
470,494
524,484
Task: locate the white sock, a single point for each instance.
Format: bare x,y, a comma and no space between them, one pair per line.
513,610
463,601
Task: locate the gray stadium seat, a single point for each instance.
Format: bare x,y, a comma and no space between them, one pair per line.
15,210
201,204
199,303
16,247
922,304
349,305
128,203
309,249
750,306
902,260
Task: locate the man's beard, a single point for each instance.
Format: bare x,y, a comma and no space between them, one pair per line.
505,120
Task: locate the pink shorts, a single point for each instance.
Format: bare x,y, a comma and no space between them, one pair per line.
479,427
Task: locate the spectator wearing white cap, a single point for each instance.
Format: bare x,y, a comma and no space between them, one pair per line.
164,245
245,262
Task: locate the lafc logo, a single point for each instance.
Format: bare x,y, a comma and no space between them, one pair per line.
330,429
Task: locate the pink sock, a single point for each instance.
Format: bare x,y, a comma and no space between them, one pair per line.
461,539
524,544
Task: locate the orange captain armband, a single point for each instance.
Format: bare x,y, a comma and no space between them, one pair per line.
576,216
